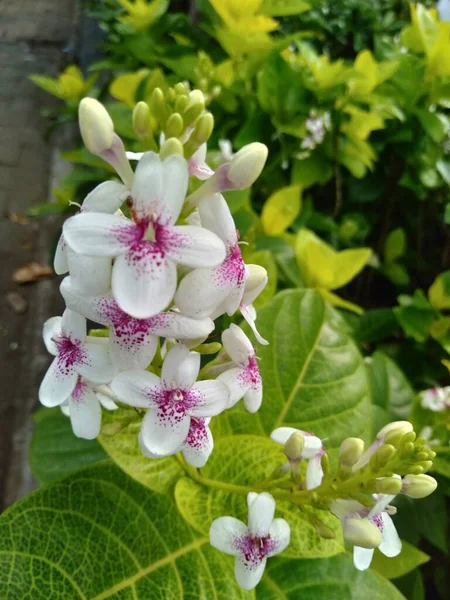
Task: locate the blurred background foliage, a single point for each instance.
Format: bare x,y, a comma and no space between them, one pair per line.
352,97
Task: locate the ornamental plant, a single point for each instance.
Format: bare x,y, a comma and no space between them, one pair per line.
201,491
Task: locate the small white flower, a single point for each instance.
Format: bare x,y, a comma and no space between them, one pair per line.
148,248
244,379
436,399
172,400
252,545
313,451
75,354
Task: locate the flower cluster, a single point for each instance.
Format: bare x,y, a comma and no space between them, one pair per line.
155,273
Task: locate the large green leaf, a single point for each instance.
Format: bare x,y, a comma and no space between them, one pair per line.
55,451
99,535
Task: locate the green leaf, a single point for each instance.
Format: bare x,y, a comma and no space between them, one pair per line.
55,451
265,259
314,169
119,437
435,526
375,325
439,292
395,245
99,535
396,273
391,389
441,463
443,167
283,8
433,125
408,559
243,461
415,316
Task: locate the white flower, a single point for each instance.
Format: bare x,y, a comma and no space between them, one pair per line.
148,248
133,341
312,452
197,164
244,379
436,399
75,354
172,401
253,545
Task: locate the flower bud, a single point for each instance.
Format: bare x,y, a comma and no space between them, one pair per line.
195,107
211,348
181,104
256,275
382,456
416,470
389,485
247,165
158,105
171,146
426,465
393,432
418,486
174,126
141,119
351,451
323,530
362,533
293,448
96,126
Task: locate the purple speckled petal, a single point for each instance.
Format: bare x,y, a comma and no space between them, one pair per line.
237,345
52,329
73,325
193,246
176,325
61,263
248,574
132,347
199,443
180,368
224,532
137,388
164,429
85,411
96,364
213,398
144,280
100,234
58,384
236,383
280,532
96,308
391,544
253,397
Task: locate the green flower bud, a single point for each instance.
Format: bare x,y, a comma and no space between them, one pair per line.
195,107
362,533
408,438
323,530
141,119
389,485
421,456
382,456
293,448
171,146
201,134
407,449
415,470
426,465
325,463
170,95
158,107
394,432
96,126
246,165
418,486
255,276
181,104
207,349
181,89
174,126
351,451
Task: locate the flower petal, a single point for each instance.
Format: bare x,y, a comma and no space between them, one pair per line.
132,349
147,185
249,314
253,397
216,216
107,197
180,368
248,574
106,402
362,557
97,365
100,234
143,281
214,398
194,246
175,185
175,325
90,274
237,345
60,262
52,328
281,533
200,293
199,444
85,411
73,325
136,388
57,385
236,384
251,293
382,501
164,430
261,510
282,434
223,534
313,445
314,472
391,544
91,307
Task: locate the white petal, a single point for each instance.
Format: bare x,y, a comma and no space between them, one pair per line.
134,155
248,575
91,307
90,274
391,544
52,328
175,325
282,434
180,368
143,448
85,412
106,402
281,532
362,557
253,398
65,408
136,388
57,385
237,345
97,365
132,349
215,398
236,383
199,444
194,246
175,184
147,186
382,501
201,292
163,431
223,534
106,198
261,511
143,281
313,445
197,164
249,314
251,294
73,325
100,234
314,473
216,216
60,262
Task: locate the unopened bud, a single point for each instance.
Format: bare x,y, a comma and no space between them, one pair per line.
293,448
141,119
212,348
415,470
195,107
418,486
256,275
96,126
426,465
158,105
394,432
200,135
351,451
171,146
407,448
362,533
180,88
323,530
389,485
382,456
181,104
247,165
174,126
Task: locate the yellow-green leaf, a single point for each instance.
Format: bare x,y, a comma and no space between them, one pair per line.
339,302
439,292
142,13
315,259
395,245
281,210
283,8
125,86
348,264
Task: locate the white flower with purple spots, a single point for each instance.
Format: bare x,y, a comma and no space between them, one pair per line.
148,248
173,400
252,545
75,354
133,341
313,451
243,379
